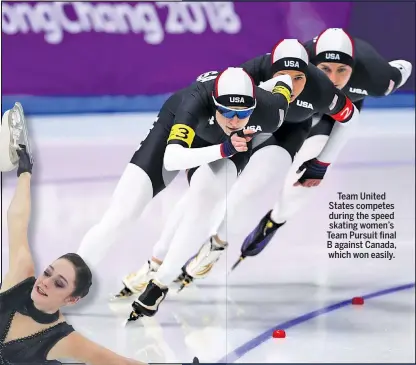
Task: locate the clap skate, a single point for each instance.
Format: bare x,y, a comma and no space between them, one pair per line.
200,265
258,239
148,302
136,282
183,279
17,136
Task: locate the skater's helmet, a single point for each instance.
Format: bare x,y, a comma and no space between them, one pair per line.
234,98
234,88
334,45
289,57
334,55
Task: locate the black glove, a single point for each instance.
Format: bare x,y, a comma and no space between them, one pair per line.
227,148
25,165
314,169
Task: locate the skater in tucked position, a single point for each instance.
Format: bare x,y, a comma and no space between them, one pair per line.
209,122
357,69
32,327
272,156
354,67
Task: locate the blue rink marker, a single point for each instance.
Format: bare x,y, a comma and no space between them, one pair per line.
257,341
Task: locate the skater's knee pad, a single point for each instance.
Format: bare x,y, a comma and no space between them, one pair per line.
8,157
213,180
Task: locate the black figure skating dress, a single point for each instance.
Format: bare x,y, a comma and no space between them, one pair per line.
31,349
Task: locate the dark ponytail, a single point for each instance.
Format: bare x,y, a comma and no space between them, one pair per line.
83,275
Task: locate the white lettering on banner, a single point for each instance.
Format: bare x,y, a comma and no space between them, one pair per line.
52,19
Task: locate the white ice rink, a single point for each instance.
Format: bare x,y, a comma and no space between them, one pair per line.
293,285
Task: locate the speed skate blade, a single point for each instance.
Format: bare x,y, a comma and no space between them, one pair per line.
182,281
134,316
183,286
117,298
128,323
122,295
236,264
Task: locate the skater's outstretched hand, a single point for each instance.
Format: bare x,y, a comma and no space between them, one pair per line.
25,164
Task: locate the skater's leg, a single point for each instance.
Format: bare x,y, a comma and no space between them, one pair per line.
268,164
137,281
293,198
209,186
288,140
162,245
143,178
200,265
133,192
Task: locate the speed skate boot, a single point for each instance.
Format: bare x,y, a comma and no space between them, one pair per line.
259,238
149,301
136,282
200,265
13,135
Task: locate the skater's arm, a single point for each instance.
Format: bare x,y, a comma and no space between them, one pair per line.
21,264
177,157
179,154
77,347
375,74
345,113
180,158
